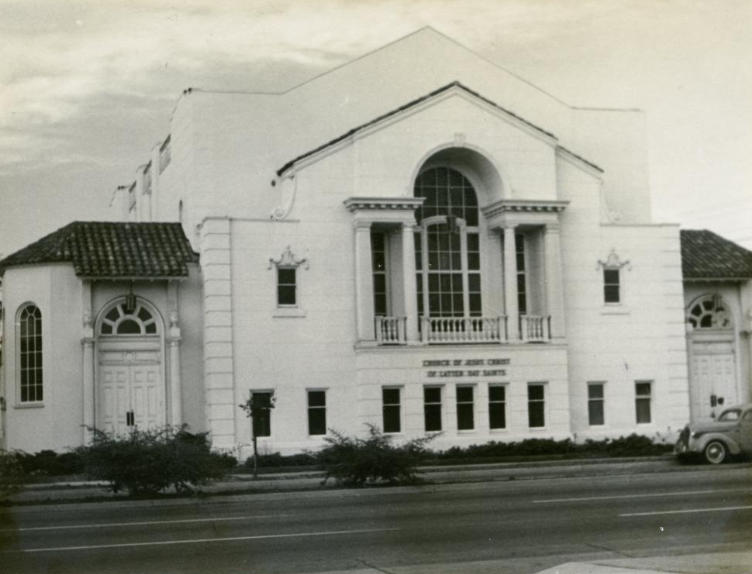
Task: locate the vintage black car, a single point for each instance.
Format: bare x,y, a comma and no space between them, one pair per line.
729,434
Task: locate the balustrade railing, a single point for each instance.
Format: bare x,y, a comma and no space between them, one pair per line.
464,329
391,330
535,328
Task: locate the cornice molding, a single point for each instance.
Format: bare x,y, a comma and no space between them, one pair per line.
354,204
524,206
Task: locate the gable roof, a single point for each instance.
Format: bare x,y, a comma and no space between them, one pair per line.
706,255
410,105
112,250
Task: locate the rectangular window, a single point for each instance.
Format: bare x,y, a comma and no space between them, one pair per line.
316,413
521,273
596,403
391,409
379,262
536,405
287,290
497,407
465,408
432,408
643,399
611,286
262,419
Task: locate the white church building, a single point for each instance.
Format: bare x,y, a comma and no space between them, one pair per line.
417,240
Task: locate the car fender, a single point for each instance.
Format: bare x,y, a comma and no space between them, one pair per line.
732,445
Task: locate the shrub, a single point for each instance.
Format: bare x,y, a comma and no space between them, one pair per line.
277,460
632,445
50,463
356,461
150,461
11,473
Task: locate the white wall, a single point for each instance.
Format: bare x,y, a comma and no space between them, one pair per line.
56,423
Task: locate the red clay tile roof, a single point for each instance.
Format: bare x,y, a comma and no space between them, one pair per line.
111,250
706,255
409,105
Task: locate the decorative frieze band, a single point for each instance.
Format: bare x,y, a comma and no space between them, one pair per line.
383,203
524,206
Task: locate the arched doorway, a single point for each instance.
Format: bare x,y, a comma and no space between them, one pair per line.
130,387
712,351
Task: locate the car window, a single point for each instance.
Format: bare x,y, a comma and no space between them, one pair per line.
729,416
748,416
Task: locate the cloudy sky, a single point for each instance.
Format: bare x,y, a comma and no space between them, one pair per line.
87,87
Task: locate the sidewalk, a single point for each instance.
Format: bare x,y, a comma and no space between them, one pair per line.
310,481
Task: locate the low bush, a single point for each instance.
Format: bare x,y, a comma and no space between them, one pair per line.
356,461
11,473
276,460
150,461
50,463
632,445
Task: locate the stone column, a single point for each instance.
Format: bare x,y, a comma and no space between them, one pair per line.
87,366
510,284
364,282
410,288
88,387
554,282
176,388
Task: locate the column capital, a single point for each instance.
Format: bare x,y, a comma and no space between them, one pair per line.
174,341
552,227
362,225
87,341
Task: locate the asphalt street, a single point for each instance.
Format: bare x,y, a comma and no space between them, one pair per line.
526,525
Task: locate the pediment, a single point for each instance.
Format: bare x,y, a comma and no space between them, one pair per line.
434,98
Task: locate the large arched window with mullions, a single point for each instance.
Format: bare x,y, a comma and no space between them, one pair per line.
447,245
31,383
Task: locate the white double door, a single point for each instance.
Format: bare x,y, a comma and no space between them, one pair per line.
714,384
130,395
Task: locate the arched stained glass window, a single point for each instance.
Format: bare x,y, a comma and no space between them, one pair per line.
31,385
448,245
117,321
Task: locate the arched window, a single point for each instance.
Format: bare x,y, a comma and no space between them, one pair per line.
448,245
709,313
119,321
31,385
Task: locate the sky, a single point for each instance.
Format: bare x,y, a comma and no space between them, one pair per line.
87,87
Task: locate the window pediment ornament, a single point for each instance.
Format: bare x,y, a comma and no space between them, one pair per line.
288,259
613,261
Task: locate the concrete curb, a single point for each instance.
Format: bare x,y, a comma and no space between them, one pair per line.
306,485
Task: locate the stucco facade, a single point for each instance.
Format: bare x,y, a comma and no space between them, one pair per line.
417,240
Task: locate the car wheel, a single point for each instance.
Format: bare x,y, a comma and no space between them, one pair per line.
715,452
